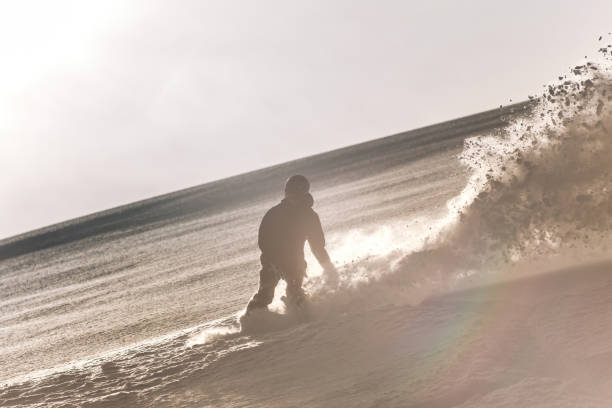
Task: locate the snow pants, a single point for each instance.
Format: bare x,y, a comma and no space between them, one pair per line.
268,279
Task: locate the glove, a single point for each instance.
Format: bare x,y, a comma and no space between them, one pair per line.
330,274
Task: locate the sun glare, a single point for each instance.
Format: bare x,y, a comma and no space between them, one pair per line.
40,39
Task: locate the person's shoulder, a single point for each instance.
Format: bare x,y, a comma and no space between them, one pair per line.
274,210
275,207
311,213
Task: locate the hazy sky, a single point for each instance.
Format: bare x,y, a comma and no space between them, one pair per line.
107,102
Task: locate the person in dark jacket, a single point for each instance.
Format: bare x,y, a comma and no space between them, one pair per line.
282,234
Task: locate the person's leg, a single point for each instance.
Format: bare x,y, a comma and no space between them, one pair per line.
268,279
295,293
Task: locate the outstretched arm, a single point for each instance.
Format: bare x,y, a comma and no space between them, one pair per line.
322,256
330,273
316,240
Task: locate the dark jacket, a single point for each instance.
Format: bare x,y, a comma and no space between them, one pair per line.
284,230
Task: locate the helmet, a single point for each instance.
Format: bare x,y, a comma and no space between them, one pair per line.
297,184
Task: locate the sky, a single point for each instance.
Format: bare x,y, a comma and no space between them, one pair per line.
106,102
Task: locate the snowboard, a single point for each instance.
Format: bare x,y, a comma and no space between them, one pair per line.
264,320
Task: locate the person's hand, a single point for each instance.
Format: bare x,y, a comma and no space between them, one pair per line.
330,274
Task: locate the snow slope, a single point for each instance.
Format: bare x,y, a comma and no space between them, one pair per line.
539,341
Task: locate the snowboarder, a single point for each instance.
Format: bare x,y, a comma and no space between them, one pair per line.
283,231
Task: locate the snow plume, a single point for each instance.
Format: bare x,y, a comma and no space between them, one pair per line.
545,182
210,334
539,187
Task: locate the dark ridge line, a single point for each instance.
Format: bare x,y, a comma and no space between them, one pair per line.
223,194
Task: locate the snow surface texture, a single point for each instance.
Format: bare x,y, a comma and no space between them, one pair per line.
479,307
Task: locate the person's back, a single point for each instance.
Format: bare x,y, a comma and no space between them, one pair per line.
282,234
284,230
